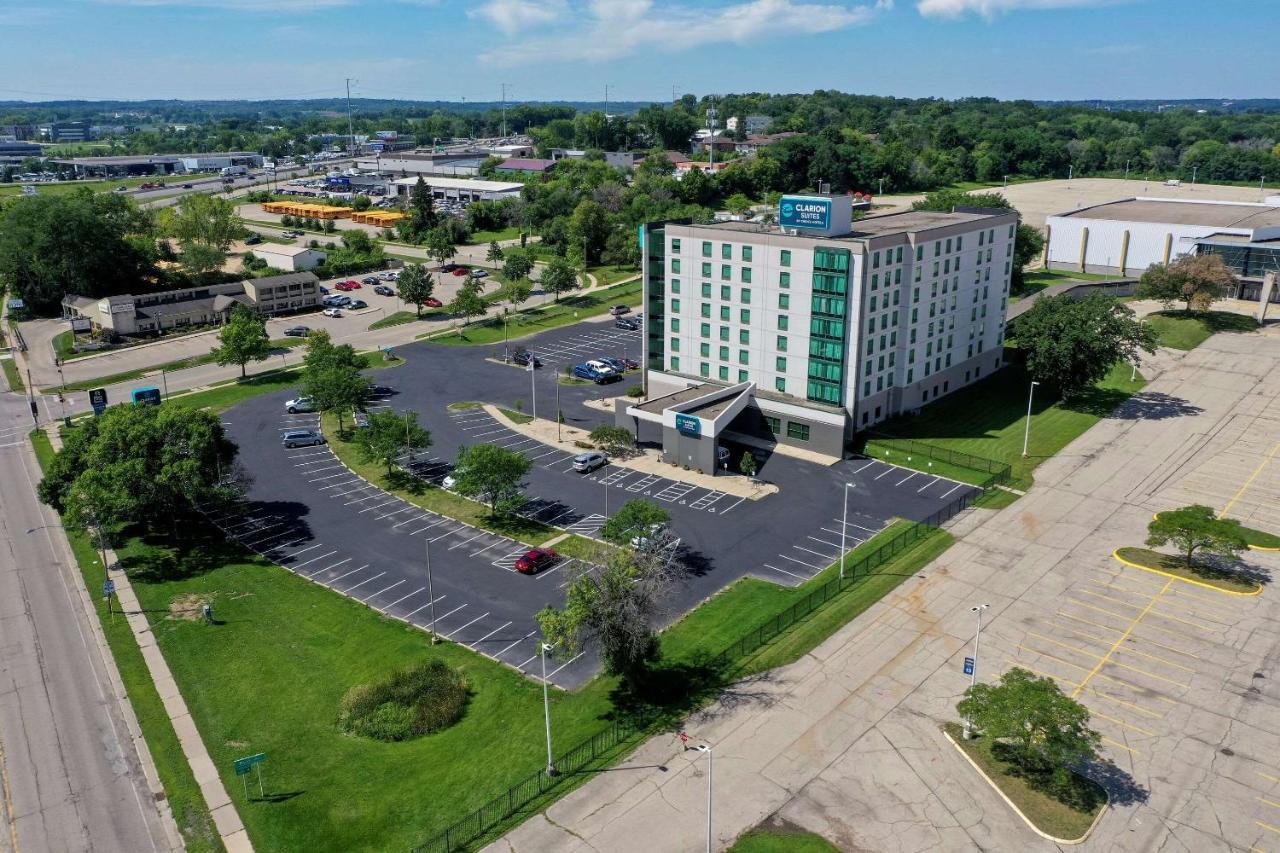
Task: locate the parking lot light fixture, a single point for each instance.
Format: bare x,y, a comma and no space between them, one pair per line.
1026,435
543,648
973,675
703,747
431,595
844,527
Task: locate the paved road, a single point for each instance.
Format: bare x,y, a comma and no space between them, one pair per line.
1180,680
71,776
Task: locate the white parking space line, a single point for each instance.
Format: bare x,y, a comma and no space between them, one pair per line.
817,553
707,500
409,521
521,666
563,665
487,547
927,485
450,532
435,523
888,470
308,454
439,619
381,591
472,539
456,631
397,512
540,455
802,562
491,633
291,544
304,550
516,643
370,497
864,467
823,541
738,501
490,432
376,506
644,483
330,477
363,485
674,492
328,568
362,583
314,462
312,560
904,479
343,575
785,572
859,526
410,595
952,489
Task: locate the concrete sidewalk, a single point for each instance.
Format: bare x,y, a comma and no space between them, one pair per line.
223,811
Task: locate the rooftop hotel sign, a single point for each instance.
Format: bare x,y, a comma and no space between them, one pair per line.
804,212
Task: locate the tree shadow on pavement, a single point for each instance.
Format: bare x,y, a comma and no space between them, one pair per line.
1122,788
1154,406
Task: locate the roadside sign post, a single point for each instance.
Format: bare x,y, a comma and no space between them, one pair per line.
109,590
968,666
98,399
244,765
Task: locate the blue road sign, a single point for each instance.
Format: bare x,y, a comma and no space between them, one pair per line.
244,765
108,588
968,666
98,399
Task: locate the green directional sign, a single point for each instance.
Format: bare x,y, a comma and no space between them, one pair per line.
244,765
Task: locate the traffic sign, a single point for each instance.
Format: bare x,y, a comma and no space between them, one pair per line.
108,588
244,765
98,399
968,666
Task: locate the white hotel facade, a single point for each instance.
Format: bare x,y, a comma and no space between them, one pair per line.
804,332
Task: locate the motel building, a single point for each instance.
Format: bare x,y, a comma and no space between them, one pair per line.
801,333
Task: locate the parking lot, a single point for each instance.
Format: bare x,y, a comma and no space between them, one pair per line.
309,513
585,341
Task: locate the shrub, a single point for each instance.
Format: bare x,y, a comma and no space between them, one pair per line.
635,391
410,703
584,445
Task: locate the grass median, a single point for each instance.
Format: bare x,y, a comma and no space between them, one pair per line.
12,376
1178,567
190,811
168,367
988,419
1049,814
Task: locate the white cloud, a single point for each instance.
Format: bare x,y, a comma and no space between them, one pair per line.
991,8
609,29
238,5
512,16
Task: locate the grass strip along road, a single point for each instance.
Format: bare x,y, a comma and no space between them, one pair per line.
567,311
169,367
183,793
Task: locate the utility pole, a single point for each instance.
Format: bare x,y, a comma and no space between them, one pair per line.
351,125
431,596
673,94
973,674
711,130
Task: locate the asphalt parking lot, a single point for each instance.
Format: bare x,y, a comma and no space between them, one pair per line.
307,512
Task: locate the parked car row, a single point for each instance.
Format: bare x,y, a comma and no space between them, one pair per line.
605,369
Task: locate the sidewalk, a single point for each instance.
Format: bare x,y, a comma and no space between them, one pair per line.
225,817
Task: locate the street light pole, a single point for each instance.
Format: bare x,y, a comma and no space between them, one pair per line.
543,648
558,418
1026,435
431,596
533,386
707,749
844,527
973,676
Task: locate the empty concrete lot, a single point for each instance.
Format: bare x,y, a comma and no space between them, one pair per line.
1180,679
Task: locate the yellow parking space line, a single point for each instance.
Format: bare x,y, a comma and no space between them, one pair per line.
1196,625
1123,637
1192,610
1271,803
1148,674
1182,592
1126,618
1138,687
1039,672
1249,482
1114,600
1051,657
1103,716
1127,649
1141,710
1128,748
1096,656
1267,776
1066,615
1268,827
1084,652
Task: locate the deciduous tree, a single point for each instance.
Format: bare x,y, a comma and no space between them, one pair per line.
492,475
416,285
1196,528
558,277
468,302
1197,281
243,339
636,516
388,434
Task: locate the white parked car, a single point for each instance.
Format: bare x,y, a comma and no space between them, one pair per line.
332,312
299,405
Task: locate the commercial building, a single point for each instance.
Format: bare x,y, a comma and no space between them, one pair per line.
526,166
426,163
66,131
625,160
14,152
214,162
754,123
153,313
803,332
292,258
462,189
1125,237
153,164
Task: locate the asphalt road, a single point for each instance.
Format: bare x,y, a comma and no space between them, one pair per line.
71,776
309,514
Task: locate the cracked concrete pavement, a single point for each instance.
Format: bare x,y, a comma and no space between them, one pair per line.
846,742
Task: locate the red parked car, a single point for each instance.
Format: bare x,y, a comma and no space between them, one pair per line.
462,271
432,302
343,285
535,560
355,285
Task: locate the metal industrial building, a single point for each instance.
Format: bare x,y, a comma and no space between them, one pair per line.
803,332
461,189
1125,237
152,164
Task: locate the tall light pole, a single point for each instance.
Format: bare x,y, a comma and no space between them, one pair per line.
604,474
533,386
431,596
1006,182
1194,170
558,418
1026,435
973,675
844,526
707,749
543,648
351,127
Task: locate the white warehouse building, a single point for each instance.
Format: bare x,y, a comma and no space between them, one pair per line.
804,332
1125,237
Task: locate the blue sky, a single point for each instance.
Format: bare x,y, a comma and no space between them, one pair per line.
570,49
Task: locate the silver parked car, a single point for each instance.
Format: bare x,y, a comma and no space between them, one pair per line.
301,438
584,463
299,405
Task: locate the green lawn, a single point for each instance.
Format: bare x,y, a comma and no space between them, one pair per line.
478,238
1198,572
179,364
608,275
1180,330
1051,815
568,310
516,417
181,790
987,419
1260,539
11,375
399,318
782,841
